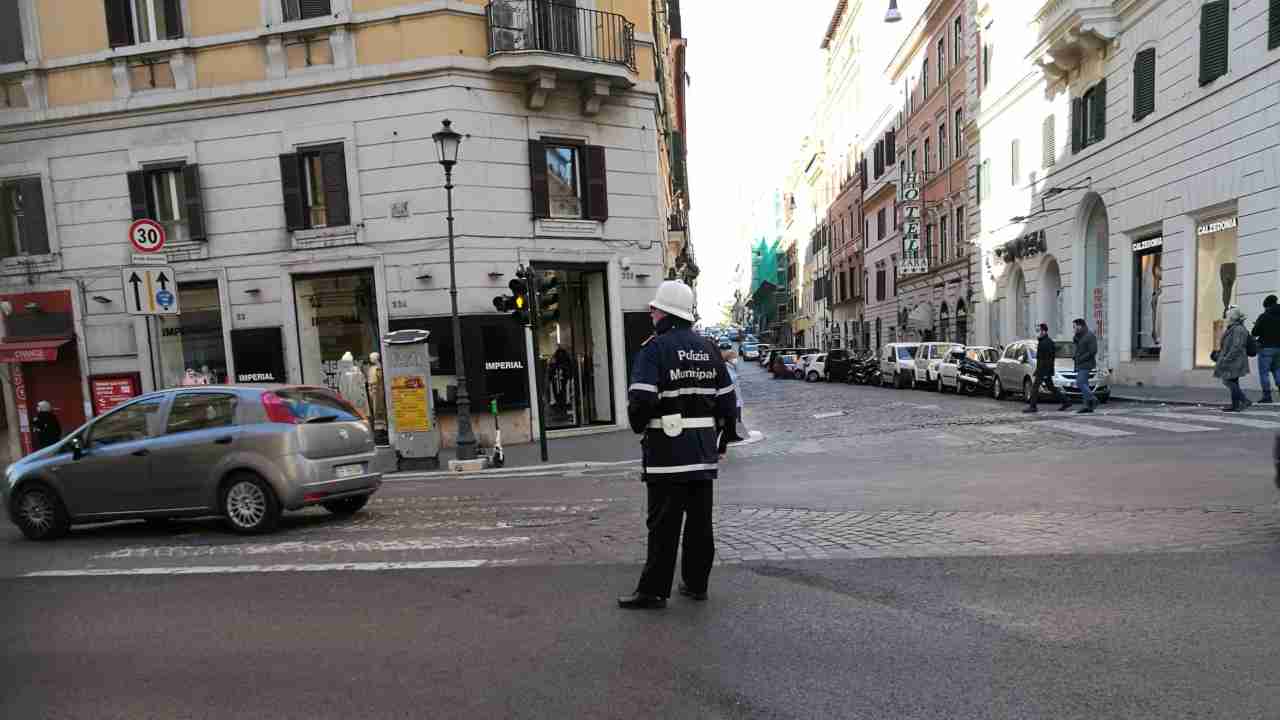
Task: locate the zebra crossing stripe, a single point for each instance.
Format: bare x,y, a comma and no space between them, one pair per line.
1143,422
1079,428
1222,419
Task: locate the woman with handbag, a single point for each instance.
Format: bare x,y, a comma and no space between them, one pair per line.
1231,359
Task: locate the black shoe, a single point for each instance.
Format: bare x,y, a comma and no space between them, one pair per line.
1266,400
1247,404
1085,409
1030,409
1065,406
1231,408
641,601
699,596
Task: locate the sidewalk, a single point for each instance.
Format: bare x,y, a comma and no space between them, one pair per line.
1181,395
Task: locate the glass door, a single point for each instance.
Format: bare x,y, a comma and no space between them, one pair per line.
573,348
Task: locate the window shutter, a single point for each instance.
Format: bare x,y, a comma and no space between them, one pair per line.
538,179
138,194
1144,83
1099,111
1077,125
1213,40
1050,142
313,8
11,33
35,234
173,18
891,146
1273,26
195,203
597,190
119,23
291,183
335,187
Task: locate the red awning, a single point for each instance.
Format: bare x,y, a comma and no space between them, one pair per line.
32,350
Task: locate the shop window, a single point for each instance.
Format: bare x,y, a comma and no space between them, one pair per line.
1214,37
314,180
573,348
305,9
1148,291
190,347
170,195
1144,83
192,412
11,49
567,180
1217,257
130,22
23,230
337,314
1089,117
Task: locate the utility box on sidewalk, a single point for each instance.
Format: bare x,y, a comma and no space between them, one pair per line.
411,419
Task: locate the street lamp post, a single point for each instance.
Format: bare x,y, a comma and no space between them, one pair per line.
447,144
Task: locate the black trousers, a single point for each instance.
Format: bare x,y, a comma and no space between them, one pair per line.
671,505
1040,381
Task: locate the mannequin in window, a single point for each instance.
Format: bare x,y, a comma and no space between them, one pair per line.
377,395
352,384
561,380
191,377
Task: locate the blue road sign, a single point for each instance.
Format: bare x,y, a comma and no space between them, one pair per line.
164,299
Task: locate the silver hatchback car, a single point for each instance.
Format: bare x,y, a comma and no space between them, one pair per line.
244,452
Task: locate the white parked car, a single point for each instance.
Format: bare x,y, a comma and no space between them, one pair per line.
1017,367
807,367
898,364
928,358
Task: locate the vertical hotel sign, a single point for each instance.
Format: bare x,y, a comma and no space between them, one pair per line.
913,262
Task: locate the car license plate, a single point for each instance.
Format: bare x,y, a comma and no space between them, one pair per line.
346,471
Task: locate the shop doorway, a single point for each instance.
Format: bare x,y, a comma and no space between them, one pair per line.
573,346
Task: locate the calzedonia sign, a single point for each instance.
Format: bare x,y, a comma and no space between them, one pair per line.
913,261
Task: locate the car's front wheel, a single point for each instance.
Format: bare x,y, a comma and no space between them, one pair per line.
813,376
249,504
997,390
1026,389
346,506
39,513
941,388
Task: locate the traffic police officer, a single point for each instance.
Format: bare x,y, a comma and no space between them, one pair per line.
679,388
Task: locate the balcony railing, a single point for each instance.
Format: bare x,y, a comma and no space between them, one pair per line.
563,29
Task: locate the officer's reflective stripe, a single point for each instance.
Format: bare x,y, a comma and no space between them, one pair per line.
725,390
702,422
644,387
651,470
686,391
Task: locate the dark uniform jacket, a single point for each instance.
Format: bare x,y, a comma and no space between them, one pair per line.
1267,328
678,373
46,429
1046,354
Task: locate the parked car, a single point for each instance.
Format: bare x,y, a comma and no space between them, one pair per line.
750,351
897,364
811,367
1017,366
969,370
244,452
928,358
837,365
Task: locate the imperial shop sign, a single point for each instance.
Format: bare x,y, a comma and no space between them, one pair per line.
913,261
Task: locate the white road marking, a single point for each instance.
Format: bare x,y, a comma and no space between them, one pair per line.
1146,424
1001,429
237,569
1223,419
1079,428
825,415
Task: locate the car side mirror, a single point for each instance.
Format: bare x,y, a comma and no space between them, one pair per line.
77,450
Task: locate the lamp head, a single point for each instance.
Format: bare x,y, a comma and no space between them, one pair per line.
447,144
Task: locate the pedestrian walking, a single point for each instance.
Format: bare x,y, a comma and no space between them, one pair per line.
1085,356
1231,359
1267,330
679,391
45,426
729,431
1046,357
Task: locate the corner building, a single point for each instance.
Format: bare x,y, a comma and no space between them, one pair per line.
285,145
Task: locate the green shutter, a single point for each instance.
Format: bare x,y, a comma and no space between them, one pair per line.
11,33
1077,125
295,217
138,194
1273,26
194,202
538,179
335,187
1099,112
1213,41
35,233
119,23
1144,83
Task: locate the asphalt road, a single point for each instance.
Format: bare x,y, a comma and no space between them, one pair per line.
1145,636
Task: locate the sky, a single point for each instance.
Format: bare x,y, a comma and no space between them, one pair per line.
755,73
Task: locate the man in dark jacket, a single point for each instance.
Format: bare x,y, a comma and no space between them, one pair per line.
679,390
1267,331
1046,356
45,427
1086,360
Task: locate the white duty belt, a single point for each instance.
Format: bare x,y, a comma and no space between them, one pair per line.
673,425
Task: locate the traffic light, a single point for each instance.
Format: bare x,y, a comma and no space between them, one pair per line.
549,300
517,303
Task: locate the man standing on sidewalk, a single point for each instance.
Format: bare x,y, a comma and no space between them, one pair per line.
1086,359
1267,331
679,390
1046,356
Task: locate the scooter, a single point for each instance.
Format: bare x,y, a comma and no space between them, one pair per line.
497,458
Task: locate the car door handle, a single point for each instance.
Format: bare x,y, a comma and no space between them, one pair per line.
224,440
142,453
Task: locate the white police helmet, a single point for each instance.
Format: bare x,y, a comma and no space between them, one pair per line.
674,298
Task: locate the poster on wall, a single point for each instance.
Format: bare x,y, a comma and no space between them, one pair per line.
108,391
20,403
409,403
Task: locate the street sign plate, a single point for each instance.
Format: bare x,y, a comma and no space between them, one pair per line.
150,290
147,235
145,259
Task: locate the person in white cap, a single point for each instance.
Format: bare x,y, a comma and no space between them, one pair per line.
679,390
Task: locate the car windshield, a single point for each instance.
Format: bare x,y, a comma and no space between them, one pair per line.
907,353
986,355
316,404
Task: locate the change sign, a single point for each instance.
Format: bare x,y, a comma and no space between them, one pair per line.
913,261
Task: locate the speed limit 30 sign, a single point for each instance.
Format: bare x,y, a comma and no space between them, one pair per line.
146,235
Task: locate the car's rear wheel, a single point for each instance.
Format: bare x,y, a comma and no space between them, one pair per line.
997,390
39,513
813,376
346,506
1026,389
941,388
249,504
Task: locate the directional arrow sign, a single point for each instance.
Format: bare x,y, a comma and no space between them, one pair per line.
146,290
